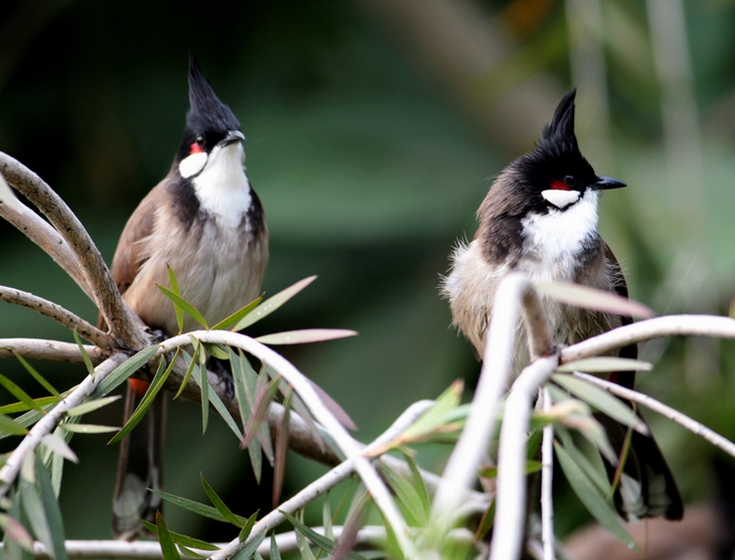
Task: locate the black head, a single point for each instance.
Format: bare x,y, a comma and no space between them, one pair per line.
556,162
209,121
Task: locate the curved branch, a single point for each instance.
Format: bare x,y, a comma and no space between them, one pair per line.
50,350
658,327
42,234
48,423
58,314
122,321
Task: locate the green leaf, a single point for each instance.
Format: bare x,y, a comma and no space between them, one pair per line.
177,308
591,298
37,376
279,468
123,371
88,428
153,389
248,527
36,515
238,315
43,402
216,350
185,305
20,394
327,545
597,476
602,401
408,497
196,507
14,530
436,415
592,499
202,378
168,546
242,375
275,553
305,336
11,427
250,548
532,466
272,303
53,511
89,406
260,410
58,445
220,505
192,362
85,356
181,539
604,364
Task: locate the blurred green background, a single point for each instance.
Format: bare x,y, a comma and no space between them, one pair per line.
374,128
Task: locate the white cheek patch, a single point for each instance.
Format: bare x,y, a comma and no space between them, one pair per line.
193,164
561,198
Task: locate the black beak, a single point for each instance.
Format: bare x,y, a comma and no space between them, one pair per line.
232,137
608,183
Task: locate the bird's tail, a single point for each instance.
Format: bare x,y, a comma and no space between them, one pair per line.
140,466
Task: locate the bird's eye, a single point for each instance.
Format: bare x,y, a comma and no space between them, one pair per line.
200,141
570,181
197,146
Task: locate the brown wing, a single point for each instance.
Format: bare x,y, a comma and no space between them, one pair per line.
131,248
624,378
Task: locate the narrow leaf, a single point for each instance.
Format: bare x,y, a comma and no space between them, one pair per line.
407,496
58,445
177,308
153,389
279,468
321,541
168,547
192,361
435,416
14,530
260,410
590,496
597,476
85,356
237,315
88,428
202,378
591,298
250,548
248,527
37,376
123,371
220,505
43,402
241,370
33,509
89,406
305,336
185,305
272,303
53,511
181,539
196,507
602,401
11,427
20,394
275,553
605,364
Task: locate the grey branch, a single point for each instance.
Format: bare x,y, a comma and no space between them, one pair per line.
49,350
58,314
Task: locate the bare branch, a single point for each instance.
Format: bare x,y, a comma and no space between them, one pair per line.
672,414
50,350
510,508
58,314
122,321
547,479
48,423
658,327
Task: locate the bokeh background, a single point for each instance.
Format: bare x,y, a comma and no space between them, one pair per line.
374,128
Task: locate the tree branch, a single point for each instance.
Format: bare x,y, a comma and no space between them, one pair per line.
58,314
49,350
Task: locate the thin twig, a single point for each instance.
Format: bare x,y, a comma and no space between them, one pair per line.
49,350
672,414
510,508
122,321
48,423
547,479
658,327
58,314
42,234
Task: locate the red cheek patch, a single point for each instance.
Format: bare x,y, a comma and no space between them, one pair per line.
196,149
559,186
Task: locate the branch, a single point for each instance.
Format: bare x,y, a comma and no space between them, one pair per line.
121,319
50,350
547,480
510,504
658,327
58,314
672,414
48,423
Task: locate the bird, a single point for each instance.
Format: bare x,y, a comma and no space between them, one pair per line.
206,223
539,218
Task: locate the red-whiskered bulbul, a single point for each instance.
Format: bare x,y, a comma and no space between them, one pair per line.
540,218
205,222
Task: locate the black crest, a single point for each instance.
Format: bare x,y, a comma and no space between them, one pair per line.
558,136
207,112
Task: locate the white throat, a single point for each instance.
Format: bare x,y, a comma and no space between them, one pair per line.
222,187
557,237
